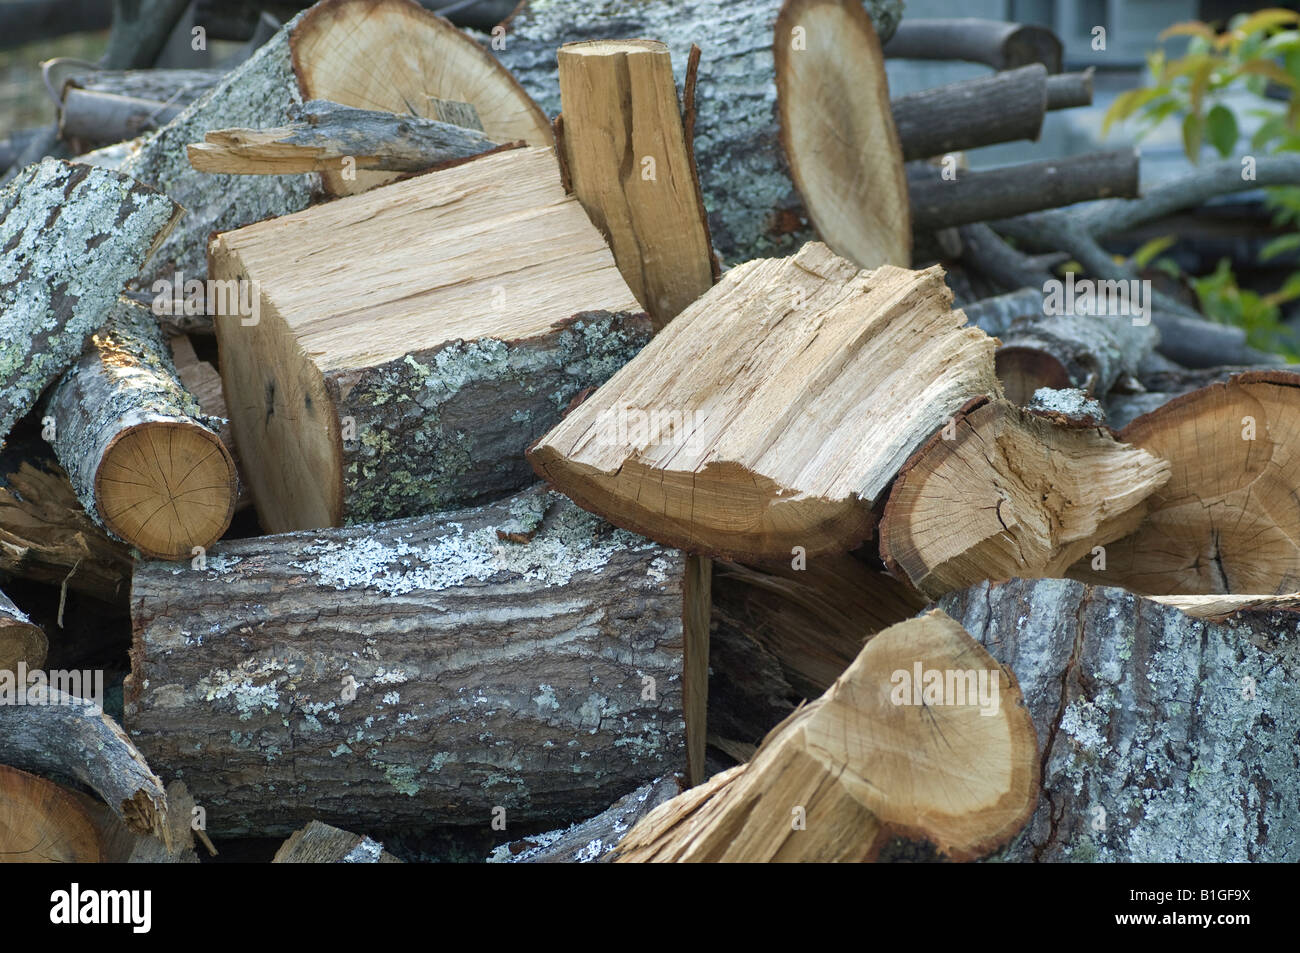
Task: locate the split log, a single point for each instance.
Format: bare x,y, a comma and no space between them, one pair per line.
1222,607
774,411
20,639
1003,46
837,130
1000,492
326,137
864,765
1163,738
47,536
394,55
319,843
73,235
1226,522
523,655
938,202
42,823
629,164
592,840
370,386
753,208
1003,107
141,457
52,731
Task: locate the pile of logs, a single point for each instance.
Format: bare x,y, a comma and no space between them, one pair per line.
633,437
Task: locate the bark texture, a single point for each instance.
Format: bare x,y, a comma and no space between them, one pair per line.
752,206
1163,738
258,93
523,655
71,236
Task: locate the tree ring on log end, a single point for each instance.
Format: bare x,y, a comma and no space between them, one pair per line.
166,487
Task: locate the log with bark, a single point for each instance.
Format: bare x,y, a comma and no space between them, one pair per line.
774,411
941,202
372,386
92,118
752,205
43,823
522,656
1000,492
1004,46
630,165
72,235
324,136
46,535
1226,522
202,380
20,640
44,729
141,457
1162,738
870,763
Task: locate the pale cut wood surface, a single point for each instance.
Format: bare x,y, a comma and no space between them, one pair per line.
787,398
319,843
630,166
392,55
860,769
42,823
1227,520
20,639
838,130
1009,493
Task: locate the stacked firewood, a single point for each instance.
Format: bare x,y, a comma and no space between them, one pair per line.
504,437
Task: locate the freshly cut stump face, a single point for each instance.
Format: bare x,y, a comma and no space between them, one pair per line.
41,823
1228,520
166,487
393,55
838,130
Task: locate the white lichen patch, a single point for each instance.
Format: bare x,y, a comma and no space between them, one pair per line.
253,686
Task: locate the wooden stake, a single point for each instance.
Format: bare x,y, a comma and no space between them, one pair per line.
630,167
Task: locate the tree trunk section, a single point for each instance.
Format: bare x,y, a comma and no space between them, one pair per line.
523,655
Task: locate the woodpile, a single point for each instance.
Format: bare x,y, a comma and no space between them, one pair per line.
835,555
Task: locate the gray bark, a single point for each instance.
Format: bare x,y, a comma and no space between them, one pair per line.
1000,45
125,379
1000,108
592,840
177,87
1164,738
258,93
1012,190
72,738
140,31
449,426
101,118
501,657
752,205
377,140
71,236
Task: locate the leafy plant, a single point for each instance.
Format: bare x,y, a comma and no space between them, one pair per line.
1257,50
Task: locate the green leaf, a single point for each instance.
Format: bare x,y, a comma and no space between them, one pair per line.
1264,19
1280,245
1269,70
1289,291
1221,129
1143,256
1193,136
1188,28
1129,102
1272,128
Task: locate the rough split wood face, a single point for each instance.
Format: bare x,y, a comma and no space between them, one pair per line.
1004,493
873,759
774,411
1227,521
394,55
413,341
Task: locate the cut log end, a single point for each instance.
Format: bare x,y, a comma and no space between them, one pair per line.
20,640
167,487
